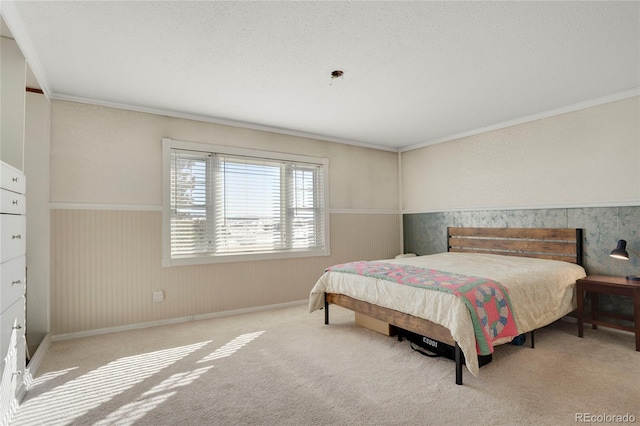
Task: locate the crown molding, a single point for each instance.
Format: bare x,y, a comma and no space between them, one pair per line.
13,21
526,119
215,120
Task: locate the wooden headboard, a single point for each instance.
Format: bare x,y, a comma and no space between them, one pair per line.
543,243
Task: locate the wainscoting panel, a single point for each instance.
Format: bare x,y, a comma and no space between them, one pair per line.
106,264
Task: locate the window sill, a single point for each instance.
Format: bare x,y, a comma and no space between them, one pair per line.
242,257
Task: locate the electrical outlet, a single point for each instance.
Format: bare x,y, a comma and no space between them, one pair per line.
158,296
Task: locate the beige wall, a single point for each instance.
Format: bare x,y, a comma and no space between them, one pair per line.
106,198
111,156
106,221
586,157
106,264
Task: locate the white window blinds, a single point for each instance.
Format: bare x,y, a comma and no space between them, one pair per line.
230,204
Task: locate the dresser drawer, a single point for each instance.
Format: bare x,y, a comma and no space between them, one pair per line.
12,282
12,202
12,326
12,369
12,179
12,236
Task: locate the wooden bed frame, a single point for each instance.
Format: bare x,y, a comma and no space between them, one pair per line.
563,244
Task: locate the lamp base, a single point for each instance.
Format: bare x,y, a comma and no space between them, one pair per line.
633,278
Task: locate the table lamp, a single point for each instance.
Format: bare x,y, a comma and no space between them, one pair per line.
620,252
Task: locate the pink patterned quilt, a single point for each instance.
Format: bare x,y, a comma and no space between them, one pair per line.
488,301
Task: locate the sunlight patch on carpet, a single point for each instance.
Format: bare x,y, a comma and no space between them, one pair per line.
69,402
129,413
73,399
177,380
231,347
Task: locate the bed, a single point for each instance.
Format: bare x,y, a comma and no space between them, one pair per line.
535,268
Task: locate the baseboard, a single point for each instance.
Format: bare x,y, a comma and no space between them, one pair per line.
96,332
37,358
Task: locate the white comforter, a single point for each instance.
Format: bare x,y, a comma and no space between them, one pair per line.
541,292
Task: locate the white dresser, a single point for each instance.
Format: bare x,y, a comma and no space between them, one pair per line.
12,287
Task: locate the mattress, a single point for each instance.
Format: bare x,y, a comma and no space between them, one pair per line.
541,291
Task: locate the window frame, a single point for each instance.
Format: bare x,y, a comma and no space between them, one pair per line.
169,144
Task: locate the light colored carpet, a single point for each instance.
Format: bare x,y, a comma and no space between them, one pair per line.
285,367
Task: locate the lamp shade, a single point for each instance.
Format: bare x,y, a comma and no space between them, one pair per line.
620,252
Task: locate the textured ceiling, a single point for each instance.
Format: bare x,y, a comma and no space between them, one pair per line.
414,72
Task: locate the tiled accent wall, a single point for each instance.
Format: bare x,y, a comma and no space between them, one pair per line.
426,233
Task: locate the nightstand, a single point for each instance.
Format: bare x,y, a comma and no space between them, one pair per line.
596,284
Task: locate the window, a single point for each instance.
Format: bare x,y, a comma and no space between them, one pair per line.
225,204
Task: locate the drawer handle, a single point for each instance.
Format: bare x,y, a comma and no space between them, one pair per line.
17,327
16,237
16,282
15,179
15,202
